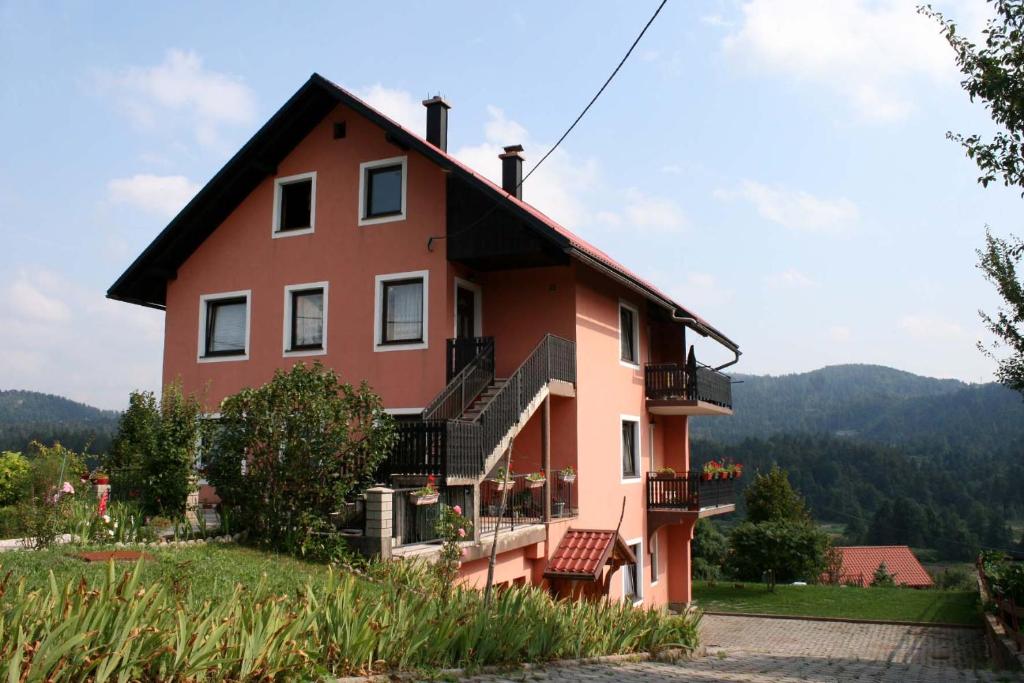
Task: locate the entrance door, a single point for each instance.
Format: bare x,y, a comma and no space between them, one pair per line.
465,312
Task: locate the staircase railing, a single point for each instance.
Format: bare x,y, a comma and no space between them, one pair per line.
470,443
464,387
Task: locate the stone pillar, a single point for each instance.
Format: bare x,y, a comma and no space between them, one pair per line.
379,521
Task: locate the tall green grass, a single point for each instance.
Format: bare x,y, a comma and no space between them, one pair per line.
121,630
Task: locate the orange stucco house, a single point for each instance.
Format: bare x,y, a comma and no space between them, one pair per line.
336,235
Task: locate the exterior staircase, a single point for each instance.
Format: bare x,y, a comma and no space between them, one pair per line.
466,429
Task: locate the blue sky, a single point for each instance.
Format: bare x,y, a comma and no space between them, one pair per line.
779,166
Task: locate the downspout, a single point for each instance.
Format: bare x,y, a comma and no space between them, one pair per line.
700,329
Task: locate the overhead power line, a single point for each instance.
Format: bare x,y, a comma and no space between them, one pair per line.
568,130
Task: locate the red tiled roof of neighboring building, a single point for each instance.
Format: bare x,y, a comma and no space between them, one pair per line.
861,561
582,553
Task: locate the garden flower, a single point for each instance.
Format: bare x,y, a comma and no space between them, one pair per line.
462,533
67,488
106,519
457,509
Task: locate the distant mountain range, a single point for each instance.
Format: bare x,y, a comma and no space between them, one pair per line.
873,403
27,416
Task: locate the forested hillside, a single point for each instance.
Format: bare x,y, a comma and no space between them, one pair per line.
27,416
874,403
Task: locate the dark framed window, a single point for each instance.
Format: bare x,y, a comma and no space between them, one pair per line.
630,449
632,589
295,205
383,191
307,323
402,311
628,335
226,321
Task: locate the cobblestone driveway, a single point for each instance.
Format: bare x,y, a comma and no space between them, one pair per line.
756,650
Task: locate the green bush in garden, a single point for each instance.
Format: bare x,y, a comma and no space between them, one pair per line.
156,449
14,472
120,629
291,452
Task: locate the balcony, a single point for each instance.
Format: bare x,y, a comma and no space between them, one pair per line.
671,500
687,389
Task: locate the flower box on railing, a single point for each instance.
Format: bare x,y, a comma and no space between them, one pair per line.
418,498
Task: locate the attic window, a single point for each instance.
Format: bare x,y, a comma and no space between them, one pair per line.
382,191
294,205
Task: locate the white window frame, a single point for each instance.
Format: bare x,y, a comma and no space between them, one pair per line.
204,300
639,571
368,165
287,326
655,559
378,304
275,228
636,334
478,321
652,464
635,419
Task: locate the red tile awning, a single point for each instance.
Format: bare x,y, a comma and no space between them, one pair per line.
583,553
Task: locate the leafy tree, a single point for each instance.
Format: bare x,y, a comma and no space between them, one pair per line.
709,550
882,578
156,448
291,452
771,498
791,550
14,473
994,74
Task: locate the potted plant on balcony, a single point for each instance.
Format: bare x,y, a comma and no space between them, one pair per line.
737,470
500,478
710,470
427,495
665,473
535,480
567,474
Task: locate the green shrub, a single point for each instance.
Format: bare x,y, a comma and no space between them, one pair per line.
14,472
792,550
309,443
955,579
348,625
155,452
51,466
10,524
1005,576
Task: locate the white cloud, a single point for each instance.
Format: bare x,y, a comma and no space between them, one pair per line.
715,20
558,188
789,279
64,338
652,214
181,85
701,291
163,195
399,105
796,210
924,326
870,52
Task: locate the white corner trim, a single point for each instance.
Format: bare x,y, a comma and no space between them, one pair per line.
478,314
639,571
201,345
639,451
378,290
655,552
403,411
275,226
287,326
366,166
636,334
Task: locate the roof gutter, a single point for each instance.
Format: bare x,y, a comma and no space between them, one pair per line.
674,310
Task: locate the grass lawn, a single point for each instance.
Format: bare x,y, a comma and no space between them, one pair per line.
208,571
883,604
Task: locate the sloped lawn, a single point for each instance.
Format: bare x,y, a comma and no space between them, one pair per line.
881,604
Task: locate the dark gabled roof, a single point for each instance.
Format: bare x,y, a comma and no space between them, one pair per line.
144,282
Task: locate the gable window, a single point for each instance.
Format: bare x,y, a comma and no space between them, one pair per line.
382,191
630,448
224,326
294,205
629,337
305,331
401,311
632,575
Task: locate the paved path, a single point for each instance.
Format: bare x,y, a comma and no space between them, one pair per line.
757,650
